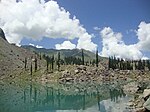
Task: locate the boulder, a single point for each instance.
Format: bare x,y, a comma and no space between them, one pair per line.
146,93
84,68
147,104
69,79
130,104
131,88
76,71
94,70
140,110
81,67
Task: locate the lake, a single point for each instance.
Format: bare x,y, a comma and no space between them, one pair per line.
32,97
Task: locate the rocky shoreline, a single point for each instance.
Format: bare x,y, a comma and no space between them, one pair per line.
141,93
138,82
135,82
79,74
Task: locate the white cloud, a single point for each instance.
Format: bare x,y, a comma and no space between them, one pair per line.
97,28
143,34
32,44
145,58
113,45
86,43
65,45
33,19
37,46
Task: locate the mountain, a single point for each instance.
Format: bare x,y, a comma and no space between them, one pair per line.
63,53
12,57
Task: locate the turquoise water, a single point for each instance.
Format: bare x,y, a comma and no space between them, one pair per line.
108,97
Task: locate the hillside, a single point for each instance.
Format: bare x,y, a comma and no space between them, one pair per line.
12,58
64,52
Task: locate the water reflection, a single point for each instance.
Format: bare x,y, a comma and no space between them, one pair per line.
35,98
116,93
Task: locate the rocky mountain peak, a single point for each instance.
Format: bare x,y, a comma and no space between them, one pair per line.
2,34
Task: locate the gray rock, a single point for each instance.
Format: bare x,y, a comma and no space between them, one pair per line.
146,93
130,88
76,71
81,67
69,79
84,68
2,34
147,104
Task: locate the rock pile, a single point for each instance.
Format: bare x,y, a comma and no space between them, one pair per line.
79,74
141,103
83,73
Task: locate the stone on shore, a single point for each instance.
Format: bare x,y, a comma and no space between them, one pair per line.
146,93
147,104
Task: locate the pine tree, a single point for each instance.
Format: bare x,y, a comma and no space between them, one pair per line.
31,69
148,64
25,62
114,63
47,62
109,63
52,62
35,64
128,65
58,61
118,65
93,62
44,56
143,64
82,57
139,65
97,58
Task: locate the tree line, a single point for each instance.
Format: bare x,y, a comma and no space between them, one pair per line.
69,60
113,62
121,64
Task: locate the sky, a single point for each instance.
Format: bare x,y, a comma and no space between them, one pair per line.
118,28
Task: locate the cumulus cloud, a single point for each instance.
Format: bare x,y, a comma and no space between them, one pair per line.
97,28
65,45
33,19
31,44
145,58
143,34
113,45
86,43
37,46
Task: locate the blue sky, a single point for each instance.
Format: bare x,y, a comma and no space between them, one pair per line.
122,16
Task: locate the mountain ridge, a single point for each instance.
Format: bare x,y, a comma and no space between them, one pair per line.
64,52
